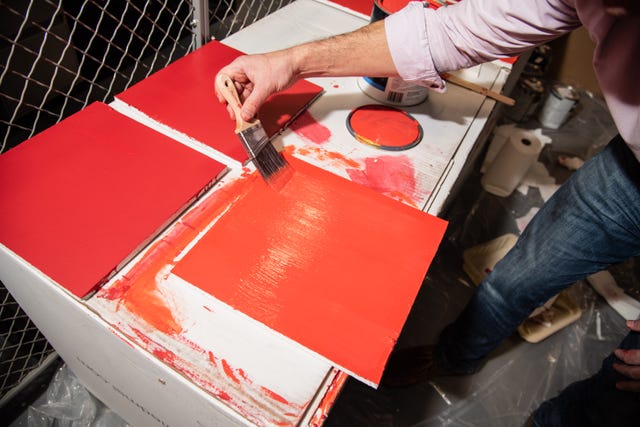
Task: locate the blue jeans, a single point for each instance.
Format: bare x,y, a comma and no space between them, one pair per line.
590,223
594,402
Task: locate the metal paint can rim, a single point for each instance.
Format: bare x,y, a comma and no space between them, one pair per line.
560,102
562,91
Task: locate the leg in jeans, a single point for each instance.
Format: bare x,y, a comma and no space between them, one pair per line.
591,222
594,402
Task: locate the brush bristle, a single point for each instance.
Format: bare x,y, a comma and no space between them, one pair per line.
267,159
269,162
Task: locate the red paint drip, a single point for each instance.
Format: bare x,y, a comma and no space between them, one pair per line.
324,155
308,128
212,359
228,370
274,395
390,175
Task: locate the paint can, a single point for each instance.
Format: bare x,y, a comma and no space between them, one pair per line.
391,90
538,62
528,94
558,105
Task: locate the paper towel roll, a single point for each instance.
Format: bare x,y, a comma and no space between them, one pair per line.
511,163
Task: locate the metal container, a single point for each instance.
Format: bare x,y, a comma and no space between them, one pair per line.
559,103
392,90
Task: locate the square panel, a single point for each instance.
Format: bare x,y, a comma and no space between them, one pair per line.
328,263
182,97
79,199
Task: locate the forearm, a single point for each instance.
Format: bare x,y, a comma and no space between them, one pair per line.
363,52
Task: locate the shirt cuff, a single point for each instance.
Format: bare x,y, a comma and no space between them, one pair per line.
409,46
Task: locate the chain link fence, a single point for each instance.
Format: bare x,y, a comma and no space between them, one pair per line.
58,56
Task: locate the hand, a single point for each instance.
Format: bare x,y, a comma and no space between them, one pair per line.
256,77
631,366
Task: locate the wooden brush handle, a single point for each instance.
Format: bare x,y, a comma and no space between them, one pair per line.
227,89
477,88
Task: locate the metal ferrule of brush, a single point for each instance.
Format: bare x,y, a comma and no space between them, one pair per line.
254,140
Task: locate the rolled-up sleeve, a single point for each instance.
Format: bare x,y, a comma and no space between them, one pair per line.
409,45
425,42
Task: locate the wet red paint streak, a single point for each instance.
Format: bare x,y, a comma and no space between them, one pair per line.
309,129
138,291
275,396
384,127
143,299
324,155
329,398
390,175
228,370
302,260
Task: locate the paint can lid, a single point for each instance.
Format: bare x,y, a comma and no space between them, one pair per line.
563,91
384,127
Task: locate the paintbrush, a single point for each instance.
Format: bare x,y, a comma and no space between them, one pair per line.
262,153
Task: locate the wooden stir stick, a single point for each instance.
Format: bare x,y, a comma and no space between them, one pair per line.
477,88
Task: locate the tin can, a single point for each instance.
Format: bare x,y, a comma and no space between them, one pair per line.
538,62
528,94
558,105
391,90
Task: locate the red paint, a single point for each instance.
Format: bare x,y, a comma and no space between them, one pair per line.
384,126
342,158
138,291
329,398
275,396
390,175
362,6
229,371
303,260
86,194
182,96
309,129
392,6
272,404
212,359
323,155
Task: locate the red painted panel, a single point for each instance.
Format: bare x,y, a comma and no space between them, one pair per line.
331,264
182,96
363,6
79,198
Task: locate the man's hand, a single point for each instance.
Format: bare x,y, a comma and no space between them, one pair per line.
256,77
363,52
631,366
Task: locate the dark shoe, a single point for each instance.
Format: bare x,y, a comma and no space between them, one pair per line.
410,366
